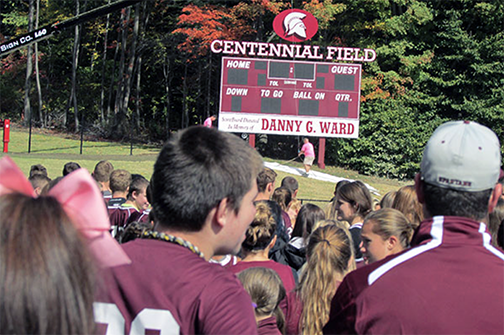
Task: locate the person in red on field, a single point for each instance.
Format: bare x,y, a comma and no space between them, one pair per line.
209,121
309,152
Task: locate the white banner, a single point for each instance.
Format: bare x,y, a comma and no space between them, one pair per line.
288,125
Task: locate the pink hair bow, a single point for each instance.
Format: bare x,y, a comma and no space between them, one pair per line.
82,201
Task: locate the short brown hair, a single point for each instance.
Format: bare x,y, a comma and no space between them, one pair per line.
38,169
120,180
291,183
138,184
70,167
265,177
197,168
102,171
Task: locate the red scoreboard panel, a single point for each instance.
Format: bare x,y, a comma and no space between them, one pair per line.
290,97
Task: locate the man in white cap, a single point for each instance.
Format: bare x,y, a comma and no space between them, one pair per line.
452,280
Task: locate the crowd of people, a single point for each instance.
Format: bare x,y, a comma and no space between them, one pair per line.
210,245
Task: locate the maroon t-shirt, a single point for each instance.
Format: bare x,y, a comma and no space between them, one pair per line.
293,315
287,221
284,271
268,326
143,216
122,216
169,287
450,282
342,314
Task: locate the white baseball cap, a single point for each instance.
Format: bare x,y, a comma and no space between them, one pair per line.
462,155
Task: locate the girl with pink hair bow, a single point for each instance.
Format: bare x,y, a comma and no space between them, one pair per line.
50,249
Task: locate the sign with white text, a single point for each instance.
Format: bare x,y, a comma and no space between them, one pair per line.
283,97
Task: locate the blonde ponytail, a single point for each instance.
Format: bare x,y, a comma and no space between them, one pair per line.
329,257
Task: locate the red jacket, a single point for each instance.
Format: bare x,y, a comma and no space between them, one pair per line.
451,281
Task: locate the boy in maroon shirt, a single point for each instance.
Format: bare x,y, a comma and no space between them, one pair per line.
452,279
203,190
133,209
120,181
101,174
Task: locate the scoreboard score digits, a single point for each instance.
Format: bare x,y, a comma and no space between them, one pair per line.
289,97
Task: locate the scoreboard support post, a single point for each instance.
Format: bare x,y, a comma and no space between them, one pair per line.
252,140
321,153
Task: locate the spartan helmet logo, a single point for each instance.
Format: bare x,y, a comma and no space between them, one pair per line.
293,24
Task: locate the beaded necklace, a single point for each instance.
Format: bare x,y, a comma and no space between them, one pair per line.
154,235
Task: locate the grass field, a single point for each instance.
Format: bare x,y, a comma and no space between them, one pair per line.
54,150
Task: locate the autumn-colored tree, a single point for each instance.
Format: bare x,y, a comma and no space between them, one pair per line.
202,25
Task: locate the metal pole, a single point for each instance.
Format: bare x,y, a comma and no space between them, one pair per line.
30,133
131,136
82,131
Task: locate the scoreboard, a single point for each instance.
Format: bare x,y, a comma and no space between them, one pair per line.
289,97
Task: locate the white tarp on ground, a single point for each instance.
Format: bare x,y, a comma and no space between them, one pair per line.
313,174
